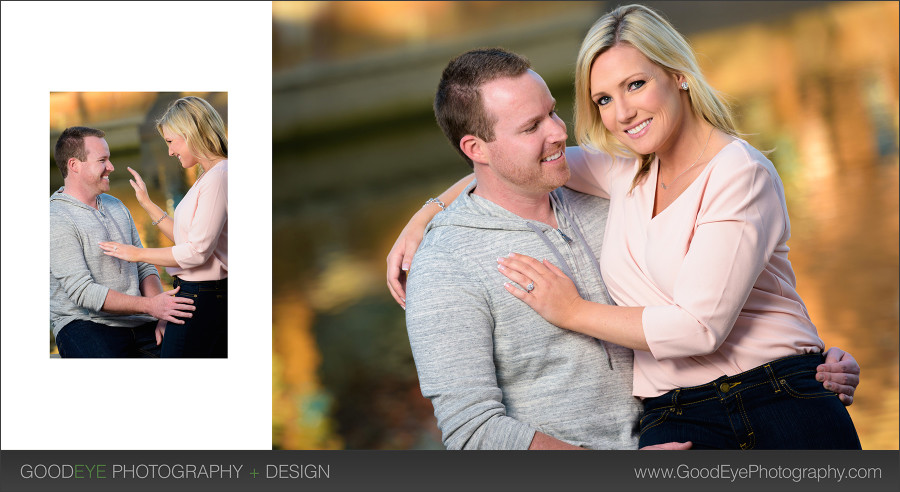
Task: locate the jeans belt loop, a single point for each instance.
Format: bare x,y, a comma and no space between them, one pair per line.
675,406
773,379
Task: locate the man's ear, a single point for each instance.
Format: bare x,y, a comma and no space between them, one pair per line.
474,148
73,164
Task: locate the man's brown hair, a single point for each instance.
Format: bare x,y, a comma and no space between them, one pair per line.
71,144
458,105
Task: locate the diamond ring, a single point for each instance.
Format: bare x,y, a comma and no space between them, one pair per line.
529,287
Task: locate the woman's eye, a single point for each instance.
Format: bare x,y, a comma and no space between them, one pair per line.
603,101
637,84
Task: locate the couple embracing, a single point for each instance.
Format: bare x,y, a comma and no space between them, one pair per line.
106,298
633,291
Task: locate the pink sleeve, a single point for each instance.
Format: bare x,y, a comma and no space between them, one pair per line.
590,171
207,222
740,222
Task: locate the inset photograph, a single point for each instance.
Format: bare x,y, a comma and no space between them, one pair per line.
701,198
138,225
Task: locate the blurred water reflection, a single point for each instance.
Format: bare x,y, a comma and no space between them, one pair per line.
818,85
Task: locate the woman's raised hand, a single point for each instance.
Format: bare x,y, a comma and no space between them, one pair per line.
140,189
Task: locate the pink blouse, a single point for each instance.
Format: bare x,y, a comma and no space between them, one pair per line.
201,228
711,269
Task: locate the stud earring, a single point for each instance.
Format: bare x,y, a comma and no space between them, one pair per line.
684,86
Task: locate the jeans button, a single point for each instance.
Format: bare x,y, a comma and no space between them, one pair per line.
724,387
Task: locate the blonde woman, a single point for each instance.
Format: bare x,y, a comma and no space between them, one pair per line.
195,134
694,255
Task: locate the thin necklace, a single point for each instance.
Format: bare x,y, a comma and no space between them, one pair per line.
689,167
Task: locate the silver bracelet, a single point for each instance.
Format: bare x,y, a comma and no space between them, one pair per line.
435,200
164,215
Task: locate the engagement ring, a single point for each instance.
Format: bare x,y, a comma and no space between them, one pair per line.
529,287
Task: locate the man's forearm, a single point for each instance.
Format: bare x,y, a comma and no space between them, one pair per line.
153,301
542,441
151,286
119,303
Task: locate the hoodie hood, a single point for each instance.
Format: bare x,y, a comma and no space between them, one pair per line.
475,212
113,227
60,196
470,211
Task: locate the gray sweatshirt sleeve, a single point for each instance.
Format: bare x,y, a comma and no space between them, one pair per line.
67,264
450,327
144,269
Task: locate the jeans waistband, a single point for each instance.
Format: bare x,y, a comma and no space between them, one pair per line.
728,386
208,284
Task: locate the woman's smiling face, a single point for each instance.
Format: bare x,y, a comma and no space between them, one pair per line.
639,102
179,148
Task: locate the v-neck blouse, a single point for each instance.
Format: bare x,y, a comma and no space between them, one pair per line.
711,269
201,228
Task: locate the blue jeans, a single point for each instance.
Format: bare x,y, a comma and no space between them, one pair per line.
88,339
205,334
778,405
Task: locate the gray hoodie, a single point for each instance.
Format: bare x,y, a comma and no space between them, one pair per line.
496,371
80,273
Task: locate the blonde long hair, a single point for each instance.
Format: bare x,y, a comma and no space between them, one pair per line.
198,123
655,38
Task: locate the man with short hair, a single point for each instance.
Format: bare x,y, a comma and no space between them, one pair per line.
499,375
100,306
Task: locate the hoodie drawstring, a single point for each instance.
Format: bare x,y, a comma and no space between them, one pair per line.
558,206
104,222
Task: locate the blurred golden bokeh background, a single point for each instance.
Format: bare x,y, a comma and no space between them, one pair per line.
356,152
